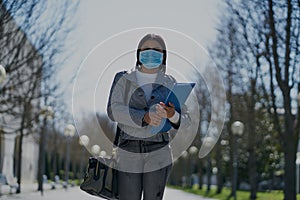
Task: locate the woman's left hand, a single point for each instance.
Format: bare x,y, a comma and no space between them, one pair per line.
165,111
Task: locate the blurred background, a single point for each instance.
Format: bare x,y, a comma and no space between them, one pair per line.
254,44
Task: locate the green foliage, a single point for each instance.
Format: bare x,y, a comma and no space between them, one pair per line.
77,182
241,195
71,175
61,173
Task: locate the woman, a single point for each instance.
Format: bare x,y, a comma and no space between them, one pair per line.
135,102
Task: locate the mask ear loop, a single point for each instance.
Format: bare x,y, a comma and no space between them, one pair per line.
162,68
139,67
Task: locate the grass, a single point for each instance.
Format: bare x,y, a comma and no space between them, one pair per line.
241,195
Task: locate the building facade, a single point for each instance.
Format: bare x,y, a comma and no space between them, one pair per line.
19,101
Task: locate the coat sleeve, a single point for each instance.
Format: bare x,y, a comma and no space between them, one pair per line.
118,110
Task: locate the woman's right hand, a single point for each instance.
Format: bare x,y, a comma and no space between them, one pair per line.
152,119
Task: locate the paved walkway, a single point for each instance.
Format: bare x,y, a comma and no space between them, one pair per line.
74,193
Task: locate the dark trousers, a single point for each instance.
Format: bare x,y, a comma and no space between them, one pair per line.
149,184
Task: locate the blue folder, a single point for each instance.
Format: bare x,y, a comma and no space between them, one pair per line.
177,96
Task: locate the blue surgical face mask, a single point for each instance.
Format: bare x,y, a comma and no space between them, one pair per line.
151,59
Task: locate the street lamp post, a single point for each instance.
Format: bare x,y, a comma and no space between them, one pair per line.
192,151
185,155
69,133
83,141
54,163
2,74
298,150
237,129
173,176
297,172
208,141
47,113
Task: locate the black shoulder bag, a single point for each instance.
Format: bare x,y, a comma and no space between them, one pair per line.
101,179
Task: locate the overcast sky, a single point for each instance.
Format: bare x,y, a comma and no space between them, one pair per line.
101,19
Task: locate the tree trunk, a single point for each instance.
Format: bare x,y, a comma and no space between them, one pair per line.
252,135
208,173
54,165
289,169
290,138
41,162
200,174
1,144
19,166
252,174
219,167
290,150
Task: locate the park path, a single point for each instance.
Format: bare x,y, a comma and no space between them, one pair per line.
74,193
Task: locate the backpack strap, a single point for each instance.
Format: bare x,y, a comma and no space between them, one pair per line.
117,77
